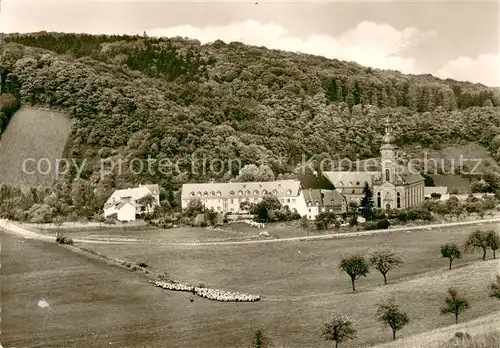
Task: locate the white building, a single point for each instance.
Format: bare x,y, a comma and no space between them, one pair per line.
442,191
315,201
227,197
394,185
127,204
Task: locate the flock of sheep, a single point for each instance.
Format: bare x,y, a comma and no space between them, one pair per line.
211,294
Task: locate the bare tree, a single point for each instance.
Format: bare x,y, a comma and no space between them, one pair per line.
355,266
389,313
454,304
384,260
339,329
451,252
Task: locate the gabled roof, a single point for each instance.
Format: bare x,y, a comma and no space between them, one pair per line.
322,198
122,204
134,194
280,188
350,179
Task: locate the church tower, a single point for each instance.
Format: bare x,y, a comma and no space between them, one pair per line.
388,154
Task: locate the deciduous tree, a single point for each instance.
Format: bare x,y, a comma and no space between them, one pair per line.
339,329
389,313
355,266
454,304
384,260
451,252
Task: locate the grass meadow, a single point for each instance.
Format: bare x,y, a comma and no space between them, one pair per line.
301,285
32,133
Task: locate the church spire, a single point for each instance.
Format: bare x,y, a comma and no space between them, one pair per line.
388,137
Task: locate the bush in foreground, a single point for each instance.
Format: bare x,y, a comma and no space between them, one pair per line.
388,312
339,329
64,240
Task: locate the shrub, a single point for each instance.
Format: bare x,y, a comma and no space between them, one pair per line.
64,240
383,224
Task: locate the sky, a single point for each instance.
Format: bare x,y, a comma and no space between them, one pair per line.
454,39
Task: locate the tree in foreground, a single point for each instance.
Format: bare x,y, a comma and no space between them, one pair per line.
339,329
384,260
477,240
495,288
389,313
454,304
451,252
493,241
355,266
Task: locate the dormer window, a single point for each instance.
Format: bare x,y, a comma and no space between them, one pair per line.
205,193
289,192
264,192
309,204
275,192
256,192
350,183
231,193
247,193
192,194
341,183
218,193
357,183
198,194
279,185
212,193
240,193
317,203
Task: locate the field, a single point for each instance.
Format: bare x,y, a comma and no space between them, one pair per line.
32,134
301,285
93,303
231,232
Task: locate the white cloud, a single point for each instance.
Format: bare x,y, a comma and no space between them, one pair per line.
485,68
369,43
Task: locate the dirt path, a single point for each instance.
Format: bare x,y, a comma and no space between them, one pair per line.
12,227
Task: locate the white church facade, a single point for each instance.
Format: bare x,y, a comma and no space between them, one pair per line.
394,185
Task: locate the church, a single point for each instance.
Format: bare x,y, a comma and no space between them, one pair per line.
394,185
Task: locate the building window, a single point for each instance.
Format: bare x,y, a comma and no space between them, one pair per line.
199,194
387,175
231,201
205,194
218,193
264,192
293,200
231,193
353,191
275,192
218,208
232,209
309,209
192,195
288,200
317,203
256,192
240,193
379,200
357,183
212,193
398,201
289,192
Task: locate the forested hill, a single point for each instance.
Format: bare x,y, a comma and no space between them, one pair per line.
135,96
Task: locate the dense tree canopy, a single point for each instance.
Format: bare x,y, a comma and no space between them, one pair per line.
182,105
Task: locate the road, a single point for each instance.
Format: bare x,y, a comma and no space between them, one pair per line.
12,227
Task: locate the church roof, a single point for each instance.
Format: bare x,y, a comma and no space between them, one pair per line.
322,198
350,179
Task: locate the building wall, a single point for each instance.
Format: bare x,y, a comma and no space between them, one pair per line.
127,213
232,205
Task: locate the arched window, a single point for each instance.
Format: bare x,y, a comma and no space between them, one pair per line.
256,192
379,200
247,193
231,193
398,200
387,175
